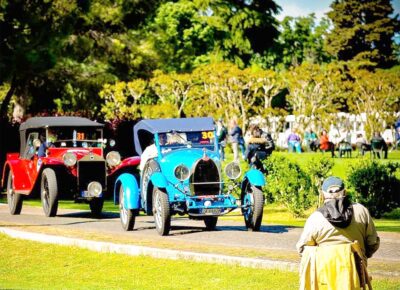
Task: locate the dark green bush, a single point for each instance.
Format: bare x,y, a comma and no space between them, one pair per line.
319,168
376,186
289,185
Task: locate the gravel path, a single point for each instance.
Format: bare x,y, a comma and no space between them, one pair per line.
230,233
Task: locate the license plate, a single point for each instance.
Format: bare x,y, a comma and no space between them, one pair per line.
212,210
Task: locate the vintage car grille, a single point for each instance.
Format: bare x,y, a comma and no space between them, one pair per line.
90,170
205,178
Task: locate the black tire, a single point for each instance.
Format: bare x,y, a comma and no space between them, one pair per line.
161,211
14,200
96,206
254,198
127,216
49,192
210,222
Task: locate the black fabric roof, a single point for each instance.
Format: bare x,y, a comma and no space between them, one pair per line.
152,126
40,122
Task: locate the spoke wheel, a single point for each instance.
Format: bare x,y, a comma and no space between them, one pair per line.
127,216
253,199
49,192
161,211
210,222
14,200
96,206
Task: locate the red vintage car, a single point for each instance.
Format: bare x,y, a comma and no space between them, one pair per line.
61,157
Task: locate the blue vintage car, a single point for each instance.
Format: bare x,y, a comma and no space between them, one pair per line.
180,173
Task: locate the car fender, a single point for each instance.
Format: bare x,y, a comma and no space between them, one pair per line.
131,191
159,180
23,182
255,177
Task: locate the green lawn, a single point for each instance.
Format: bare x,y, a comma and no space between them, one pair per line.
32,265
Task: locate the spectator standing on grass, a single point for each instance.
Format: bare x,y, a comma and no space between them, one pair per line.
236,138
337,222
397,138
222,133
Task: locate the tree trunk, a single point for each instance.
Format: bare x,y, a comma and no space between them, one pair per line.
7,99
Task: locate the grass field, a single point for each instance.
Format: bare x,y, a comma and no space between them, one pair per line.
32,265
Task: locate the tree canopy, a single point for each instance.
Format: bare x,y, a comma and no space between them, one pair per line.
363,31
127,59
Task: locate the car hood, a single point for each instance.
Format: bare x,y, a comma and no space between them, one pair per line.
79,152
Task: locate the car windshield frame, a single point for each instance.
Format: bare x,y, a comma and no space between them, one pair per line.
76,139
163,146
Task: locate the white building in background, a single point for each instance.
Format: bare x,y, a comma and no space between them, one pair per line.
281,127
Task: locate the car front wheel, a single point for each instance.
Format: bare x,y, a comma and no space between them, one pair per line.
96,206
253,200
127,216
161,211
14,200
49,192
210,222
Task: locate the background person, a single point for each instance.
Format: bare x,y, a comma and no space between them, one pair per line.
294,142
378,142
222,133
45,144
311,140
236,137
325,144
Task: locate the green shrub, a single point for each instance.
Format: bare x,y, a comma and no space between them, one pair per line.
289,185
375,185
319,168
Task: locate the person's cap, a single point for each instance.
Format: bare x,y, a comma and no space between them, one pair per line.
332,184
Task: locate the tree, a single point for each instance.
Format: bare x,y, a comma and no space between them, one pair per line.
363,31
174,89
182,36
301,39
245,29
375,94
122,99
314,92
31,34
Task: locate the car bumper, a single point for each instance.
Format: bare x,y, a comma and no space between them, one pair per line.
211,205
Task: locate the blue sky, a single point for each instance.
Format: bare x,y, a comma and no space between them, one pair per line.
319,7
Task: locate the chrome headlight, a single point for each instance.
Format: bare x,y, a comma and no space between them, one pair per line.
69,159
232,170
113,158
94,189
181,172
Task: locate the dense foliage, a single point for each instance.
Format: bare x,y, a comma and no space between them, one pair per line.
289,185
127,59
363,30
376,186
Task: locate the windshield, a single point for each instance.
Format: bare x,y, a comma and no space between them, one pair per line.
173,140
74,137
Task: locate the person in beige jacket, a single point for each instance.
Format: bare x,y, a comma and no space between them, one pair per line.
339,222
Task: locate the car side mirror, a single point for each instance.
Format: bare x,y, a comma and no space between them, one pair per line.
36,143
